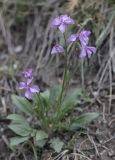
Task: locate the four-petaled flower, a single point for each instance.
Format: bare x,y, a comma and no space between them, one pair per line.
57,49
61,22
87,51
29,88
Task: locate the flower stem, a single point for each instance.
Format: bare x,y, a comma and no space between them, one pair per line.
82,74
64,76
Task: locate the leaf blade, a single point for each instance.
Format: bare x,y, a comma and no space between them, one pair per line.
83,120
23,104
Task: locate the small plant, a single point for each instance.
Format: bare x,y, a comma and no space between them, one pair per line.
51,111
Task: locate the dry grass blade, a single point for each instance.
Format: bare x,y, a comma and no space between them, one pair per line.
106,31
71,4
110,67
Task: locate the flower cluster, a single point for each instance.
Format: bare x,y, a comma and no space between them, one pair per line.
61,22
27,85
83,37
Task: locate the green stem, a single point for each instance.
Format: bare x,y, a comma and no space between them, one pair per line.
64,76
82,74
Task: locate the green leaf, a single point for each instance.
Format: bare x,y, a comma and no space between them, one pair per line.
56,144
61,126
54,94
42,98
72,98
45,95
41,143
83,120
40,138
23,104
40,135
17,118
17,140
21,129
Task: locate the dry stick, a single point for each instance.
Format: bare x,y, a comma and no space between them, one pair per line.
34,150
106,66
82,143
92,141
43,47
100,70
110,67
6,34
58,157
81,155
103,114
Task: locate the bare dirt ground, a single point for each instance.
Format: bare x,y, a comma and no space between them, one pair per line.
26,40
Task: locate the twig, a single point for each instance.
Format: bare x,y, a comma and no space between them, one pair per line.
110,68
92,141
81,155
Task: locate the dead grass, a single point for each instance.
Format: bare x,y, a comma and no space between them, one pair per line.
26,41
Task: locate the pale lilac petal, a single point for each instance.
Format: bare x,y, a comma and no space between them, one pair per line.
27,73
34,89
84,37
57,49
62,27
28,94
22,85
86,32
72,38
29,81
56,22
67,20
64,17
87,51
90,50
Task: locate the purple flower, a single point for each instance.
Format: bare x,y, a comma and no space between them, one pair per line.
29,88
87,51
27,73
57,49
84,37
61,22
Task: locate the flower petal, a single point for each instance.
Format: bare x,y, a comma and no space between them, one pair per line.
34,89
72,38
57,49
87,51
22,85
56,22
84,37
62,27
28,94
67,20
90,50
29,81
